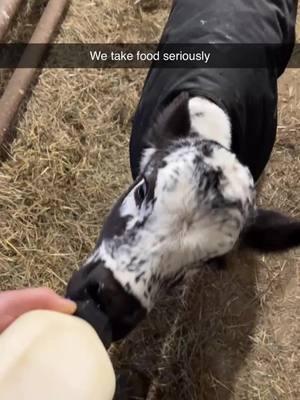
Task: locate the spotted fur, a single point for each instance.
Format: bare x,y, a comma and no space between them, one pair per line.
198,199
191,204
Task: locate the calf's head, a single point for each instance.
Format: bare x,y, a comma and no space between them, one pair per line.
189,205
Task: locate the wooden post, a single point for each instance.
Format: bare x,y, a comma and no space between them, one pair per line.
23,77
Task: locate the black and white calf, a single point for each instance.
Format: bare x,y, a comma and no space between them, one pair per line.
201,139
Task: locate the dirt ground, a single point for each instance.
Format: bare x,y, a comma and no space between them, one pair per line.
227,335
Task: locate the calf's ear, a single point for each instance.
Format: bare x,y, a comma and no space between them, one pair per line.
271,231
173,122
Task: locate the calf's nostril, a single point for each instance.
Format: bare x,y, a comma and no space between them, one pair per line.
100,296
93,291
76,288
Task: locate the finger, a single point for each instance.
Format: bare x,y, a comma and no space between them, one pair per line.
20,301
5,321
15,303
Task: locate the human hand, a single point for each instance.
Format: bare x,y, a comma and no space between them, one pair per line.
14,303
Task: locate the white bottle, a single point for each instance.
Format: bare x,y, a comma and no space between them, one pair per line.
45,355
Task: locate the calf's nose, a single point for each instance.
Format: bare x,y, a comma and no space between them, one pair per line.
104,303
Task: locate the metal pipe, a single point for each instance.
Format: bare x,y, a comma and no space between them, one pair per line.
23,77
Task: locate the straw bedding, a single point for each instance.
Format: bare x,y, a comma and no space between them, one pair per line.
226,335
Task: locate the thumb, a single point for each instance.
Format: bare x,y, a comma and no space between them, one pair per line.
17,302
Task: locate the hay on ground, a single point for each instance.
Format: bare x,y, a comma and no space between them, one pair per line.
228,335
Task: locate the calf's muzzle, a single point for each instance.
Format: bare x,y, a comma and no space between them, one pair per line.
104,303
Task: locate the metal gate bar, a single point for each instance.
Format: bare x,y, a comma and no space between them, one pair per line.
21,79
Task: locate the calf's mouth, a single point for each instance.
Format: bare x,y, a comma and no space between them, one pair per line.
104,303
